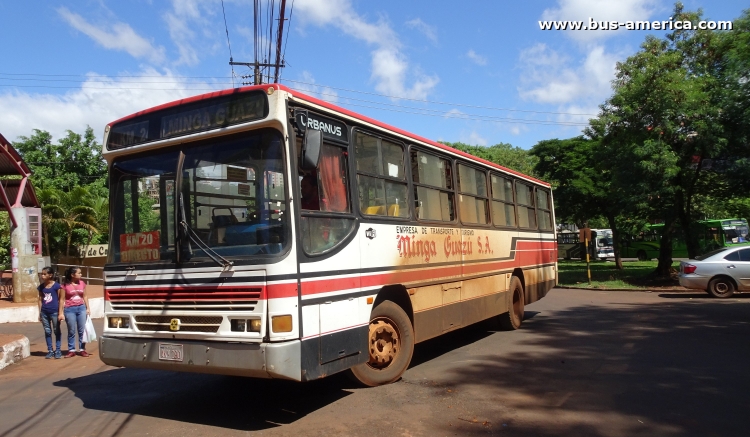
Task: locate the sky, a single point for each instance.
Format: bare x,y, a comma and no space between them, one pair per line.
478,72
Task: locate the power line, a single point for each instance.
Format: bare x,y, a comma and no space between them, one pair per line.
226,28
463,105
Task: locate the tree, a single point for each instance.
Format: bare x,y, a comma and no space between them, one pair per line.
65,212
514,158
74,161
582,186
661,123
70,177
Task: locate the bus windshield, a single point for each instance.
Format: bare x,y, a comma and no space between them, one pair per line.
233,192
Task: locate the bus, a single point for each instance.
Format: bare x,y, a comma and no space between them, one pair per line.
295,239
712,234
601,245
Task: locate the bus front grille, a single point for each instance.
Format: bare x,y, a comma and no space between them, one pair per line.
140,305
187,323
184,299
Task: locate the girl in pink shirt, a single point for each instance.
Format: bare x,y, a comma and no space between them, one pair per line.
74,308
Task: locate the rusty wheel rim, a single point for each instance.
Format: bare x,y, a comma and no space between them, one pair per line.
384,343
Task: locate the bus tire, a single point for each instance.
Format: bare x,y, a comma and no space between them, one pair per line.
721,287
390,344
511,320
642,256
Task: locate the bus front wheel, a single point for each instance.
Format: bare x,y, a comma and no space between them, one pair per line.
721,287
391,345
511,320
642,256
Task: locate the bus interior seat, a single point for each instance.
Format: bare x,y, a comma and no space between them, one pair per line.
393,210
375,210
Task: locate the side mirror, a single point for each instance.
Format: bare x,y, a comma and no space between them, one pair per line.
311,146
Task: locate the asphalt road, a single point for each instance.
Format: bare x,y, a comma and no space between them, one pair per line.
585,363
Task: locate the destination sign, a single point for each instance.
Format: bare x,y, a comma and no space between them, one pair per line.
189,118
330,128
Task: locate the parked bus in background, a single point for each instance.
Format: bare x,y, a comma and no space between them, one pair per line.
603,243
712,234
570,246
295,239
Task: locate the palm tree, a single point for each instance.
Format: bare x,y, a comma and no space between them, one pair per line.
64,212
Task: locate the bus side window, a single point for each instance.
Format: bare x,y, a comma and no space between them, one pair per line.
381,180
433,187
324,191
503,207
473,203
526,212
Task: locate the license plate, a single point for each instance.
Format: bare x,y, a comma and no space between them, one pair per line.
170,352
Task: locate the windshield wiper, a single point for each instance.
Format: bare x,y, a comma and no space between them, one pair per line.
190,233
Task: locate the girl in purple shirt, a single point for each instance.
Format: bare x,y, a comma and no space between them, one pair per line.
50,295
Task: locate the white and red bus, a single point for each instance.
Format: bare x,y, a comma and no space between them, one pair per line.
262,232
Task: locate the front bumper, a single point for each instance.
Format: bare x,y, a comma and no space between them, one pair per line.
694,281
257,360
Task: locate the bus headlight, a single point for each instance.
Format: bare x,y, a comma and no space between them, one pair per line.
254,325
118,322
281,323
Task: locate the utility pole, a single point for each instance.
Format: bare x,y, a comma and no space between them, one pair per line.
279,38
256,66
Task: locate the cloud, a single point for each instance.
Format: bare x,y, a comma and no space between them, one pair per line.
310,88
454,113
389,65
473,139
183,20
548,77
477,59
116,36
583,10
425,29
100,100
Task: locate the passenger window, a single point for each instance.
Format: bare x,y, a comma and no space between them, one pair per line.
473,203
433,187
503,209
325,191
380,177
544,215
525,200
734,256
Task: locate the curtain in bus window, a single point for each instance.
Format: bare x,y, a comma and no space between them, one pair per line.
332,176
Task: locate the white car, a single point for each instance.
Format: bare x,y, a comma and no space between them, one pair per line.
720,273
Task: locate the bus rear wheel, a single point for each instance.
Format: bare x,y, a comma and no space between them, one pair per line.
721,287
642,256
390,345
511,320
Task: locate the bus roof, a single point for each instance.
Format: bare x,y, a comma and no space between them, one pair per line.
332,107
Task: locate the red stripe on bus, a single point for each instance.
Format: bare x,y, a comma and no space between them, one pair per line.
275,291
185,293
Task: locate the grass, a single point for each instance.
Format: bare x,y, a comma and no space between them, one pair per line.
635,275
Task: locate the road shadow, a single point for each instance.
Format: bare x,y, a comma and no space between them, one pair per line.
661,368
436,347
236,403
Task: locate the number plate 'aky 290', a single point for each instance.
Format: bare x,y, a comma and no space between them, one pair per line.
170,352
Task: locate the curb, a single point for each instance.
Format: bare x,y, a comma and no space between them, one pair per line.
30,312
13,351
643,290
